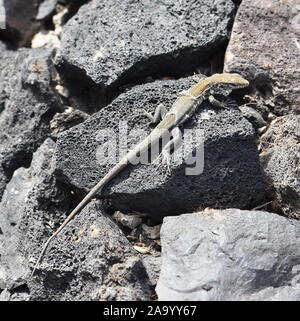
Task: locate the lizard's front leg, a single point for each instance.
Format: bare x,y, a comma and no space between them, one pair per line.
159,114
216,103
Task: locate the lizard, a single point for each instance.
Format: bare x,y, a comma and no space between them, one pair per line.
182,110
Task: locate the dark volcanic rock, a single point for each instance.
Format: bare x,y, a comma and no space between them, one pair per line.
91,260
20,20
69,118
264,47
24,201
253,116
230,255
107,44
106,49
231,177
27,103
281,164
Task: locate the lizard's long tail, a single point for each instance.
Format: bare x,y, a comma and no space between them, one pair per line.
140,148
96,189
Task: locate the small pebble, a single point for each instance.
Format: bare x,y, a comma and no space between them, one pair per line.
253,116
271,117
142,250
127,220
151,232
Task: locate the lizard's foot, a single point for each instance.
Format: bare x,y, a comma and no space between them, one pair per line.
159,114
150,117
198,77
166,159
216,103
163,160
165,155
158,161
230,103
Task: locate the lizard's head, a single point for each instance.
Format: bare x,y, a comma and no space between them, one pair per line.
234,80
223,84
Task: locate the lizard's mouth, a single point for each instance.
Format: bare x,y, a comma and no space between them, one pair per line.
226,89
236,80
242,85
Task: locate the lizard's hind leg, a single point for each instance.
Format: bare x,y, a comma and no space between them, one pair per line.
159,114
165,156
173,144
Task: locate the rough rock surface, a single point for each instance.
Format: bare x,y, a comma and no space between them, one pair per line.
264,47
107,44
231,176
69,118
27,103
152,265
107,49
253,116
281,164
24,201
90,260
230,255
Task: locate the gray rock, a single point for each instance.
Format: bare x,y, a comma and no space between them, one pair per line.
111,46
153,266
130,221
2,277
27,102
231,176
262,48
20,21
152,232
14,209
253,116
91,260
46,8
280,160
230,255
5,296
67,119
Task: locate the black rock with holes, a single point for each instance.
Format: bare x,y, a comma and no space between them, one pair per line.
28,103
231,175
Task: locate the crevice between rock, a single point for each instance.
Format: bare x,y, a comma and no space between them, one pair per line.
89,97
